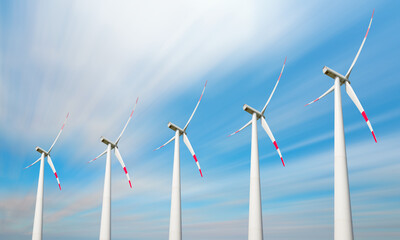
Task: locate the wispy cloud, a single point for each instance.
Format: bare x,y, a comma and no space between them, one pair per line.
94,58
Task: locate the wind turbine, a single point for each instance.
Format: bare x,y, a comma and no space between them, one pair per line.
255,210
343,226
38,219
175,222
105,225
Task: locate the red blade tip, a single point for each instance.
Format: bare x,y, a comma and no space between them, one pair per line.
373,134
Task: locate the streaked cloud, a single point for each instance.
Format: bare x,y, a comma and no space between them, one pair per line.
94,58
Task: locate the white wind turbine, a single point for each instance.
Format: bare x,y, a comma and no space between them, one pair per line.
175,222
38,219
255,210
105,225
343,226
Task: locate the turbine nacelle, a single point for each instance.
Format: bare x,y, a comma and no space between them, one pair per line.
107,142
175,128
112,146
44,154
260,116
333,74
182,132
345,80
251,110
41,150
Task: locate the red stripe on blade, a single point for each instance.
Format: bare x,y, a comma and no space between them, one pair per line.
56,174
126,172
366,33
130,184
276,145
280,75
201,174
59,186
283,162
195,158
365,116
373,134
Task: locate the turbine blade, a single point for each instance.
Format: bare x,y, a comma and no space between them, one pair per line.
265,107
129,119
118,155
323,95
189,146
355,100
268,130
59,133
54,170
246,125
98,156
165,143
190,119
33,163
362,45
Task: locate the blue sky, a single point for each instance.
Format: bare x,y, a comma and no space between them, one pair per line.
93,58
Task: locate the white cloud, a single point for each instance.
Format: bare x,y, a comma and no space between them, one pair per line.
94,58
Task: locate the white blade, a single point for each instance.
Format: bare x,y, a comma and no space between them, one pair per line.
54,170
266,128
33,163
59,133
354,98
190,119
118,155
98,156
323,95
129,119
265,107
165,143
362,45
187,143
246,125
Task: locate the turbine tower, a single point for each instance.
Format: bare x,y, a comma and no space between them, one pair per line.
38,219
175,223
343,226
105,225
255,210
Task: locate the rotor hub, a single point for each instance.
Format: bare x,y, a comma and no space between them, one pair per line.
333,74
175,128
252,111
108,142
42,151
